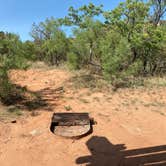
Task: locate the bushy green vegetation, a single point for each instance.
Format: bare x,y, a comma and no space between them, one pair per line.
51,43
121,44
129,41
12,56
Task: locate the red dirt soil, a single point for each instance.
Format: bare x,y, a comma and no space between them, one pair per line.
130,129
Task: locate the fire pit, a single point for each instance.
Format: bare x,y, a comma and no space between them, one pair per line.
71,124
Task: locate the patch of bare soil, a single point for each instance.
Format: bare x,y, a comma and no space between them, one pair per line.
130,130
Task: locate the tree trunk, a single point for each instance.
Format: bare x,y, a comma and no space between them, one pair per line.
134,54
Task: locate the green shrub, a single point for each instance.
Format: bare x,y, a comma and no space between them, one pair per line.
115,54
11,57
73,60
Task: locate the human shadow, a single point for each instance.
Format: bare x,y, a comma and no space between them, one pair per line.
104,153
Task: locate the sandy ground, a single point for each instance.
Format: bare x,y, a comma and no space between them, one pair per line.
130,129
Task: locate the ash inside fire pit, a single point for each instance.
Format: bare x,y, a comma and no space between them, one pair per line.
71,124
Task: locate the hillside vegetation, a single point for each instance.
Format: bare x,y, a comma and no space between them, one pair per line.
121,45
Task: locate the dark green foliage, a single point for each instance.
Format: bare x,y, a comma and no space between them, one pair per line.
129,42
131,20
29,50
73,60
11,57
84,48
78,17
50,42
55,49
115,54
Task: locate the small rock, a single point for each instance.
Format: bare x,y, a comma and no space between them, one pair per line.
35,132
14,121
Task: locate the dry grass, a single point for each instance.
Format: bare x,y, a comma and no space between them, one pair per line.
83,79
10,113
155,82
42,65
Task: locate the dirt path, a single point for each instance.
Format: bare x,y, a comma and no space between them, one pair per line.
130,130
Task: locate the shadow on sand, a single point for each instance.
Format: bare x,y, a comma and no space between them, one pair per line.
44,99
104,153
